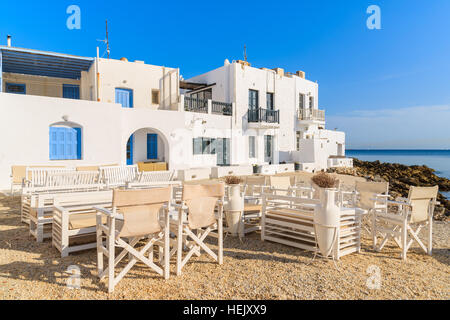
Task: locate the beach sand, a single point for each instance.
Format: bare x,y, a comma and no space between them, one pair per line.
251,270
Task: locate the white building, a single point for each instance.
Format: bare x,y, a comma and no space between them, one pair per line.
58,109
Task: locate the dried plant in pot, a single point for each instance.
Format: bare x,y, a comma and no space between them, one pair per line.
232,180
325,181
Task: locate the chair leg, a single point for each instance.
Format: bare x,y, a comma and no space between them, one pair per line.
374,231
179,245
166,254
99,246
430,235
111,249
220,236
404,239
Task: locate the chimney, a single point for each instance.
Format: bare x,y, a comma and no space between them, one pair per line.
279,71
300,74
8,40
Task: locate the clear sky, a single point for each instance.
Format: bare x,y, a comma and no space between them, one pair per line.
387,88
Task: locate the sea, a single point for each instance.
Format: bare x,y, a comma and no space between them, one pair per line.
439,160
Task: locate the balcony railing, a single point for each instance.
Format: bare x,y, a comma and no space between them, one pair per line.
311,114
195,105
221,108
263,115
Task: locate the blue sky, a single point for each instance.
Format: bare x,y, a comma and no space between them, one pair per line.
387,88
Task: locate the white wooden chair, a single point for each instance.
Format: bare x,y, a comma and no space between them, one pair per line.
135,214
114,176
196,213
74,220
368,197
413,214
18,175
155,176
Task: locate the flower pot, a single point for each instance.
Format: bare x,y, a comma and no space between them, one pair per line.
326,220
297,166
257,169
234,208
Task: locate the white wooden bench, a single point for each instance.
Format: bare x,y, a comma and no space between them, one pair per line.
72,178
115,176
290,221
30,202
74,220
155,176
37,176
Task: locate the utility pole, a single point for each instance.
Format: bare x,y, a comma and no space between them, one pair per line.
107,42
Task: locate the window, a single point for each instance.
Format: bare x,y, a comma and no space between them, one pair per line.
253,99
204,146
124,97
252,147
15,88
152,146
71,91
268,142
298,137
301,101
311,102
269,100
155,96
202,95
65,143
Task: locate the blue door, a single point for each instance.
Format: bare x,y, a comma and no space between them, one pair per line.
71,91
124,97
130,150
152,146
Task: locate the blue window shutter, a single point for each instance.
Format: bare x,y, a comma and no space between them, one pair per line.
78,143
152,146
53,136
124,97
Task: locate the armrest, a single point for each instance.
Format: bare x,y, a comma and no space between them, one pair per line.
105,212
59,208
397,203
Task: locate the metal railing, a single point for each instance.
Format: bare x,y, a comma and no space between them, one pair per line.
311,114
221,108
263,115
195,105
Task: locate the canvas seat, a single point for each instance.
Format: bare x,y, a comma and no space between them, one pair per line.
197,213
135,215
403,227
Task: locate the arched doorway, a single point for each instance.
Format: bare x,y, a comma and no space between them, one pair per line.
147,145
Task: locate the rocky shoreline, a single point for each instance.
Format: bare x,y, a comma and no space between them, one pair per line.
400,177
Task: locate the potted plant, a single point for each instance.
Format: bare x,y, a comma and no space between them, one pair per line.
327,213
235,204
256,168
297,166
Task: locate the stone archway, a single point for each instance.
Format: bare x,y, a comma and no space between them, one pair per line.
147,145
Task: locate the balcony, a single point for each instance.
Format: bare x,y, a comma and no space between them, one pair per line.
263,117
309,114
207,106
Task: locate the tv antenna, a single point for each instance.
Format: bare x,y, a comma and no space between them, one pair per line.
245,52
106,40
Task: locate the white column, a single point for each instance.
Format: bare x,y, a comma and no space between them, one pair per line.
275,149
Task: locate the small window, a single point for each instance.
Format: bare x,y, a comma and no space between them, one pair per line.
71,91
18,88
252,147
269,101
301,101
311,102
204,146
197,146
155,96
253,99
298,137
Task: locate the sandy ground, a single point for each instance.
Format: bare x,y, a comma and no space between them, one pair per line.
252,270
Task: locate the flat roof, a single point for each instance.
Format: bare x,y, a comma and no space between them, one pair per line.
43,63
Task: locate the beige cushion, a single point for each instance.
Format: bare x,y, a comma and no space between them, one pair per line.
84,220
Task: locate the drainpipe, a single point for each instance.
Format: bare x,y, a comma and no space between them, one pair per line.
97,79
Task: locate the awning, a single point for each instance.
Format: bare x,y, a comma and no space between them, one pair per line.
194,86
43,63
